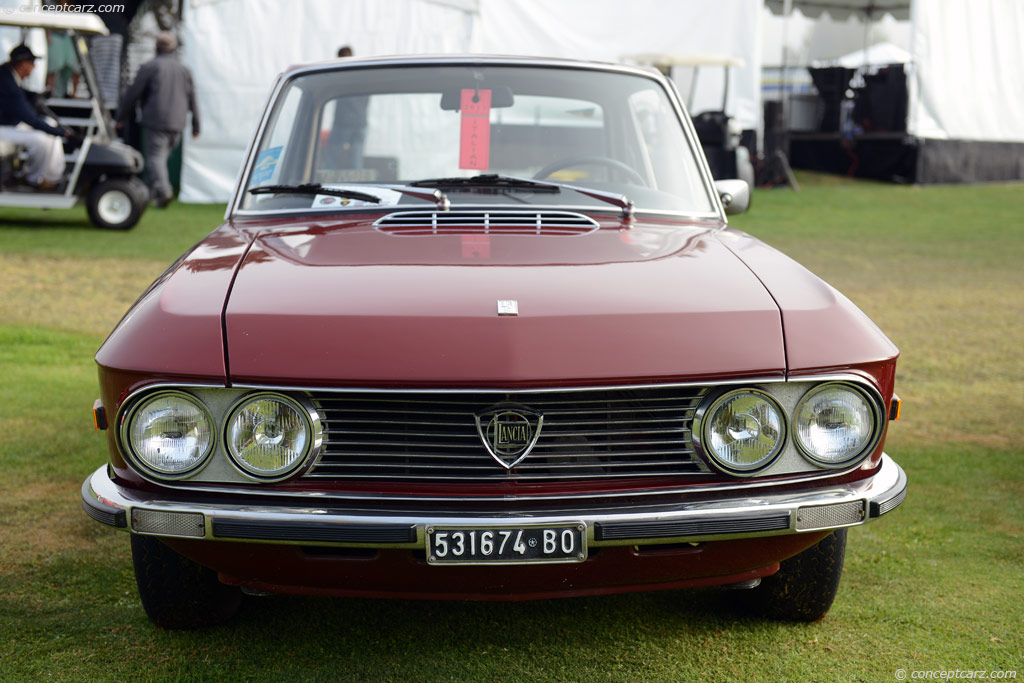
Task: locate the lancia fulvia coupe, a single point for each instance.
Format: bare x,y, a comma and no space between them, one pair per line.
476,328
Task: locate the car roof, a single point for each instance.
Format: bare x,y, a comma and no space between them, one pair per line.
473,59
89,24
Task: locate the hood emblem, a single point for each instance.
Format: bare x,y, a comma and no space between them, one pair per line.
509,433
508,307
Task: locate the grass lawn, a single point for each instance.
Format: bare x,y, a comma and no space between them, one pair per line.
936,585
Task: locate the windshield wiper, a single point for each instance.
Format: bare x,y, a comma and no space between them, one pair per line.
314,189
490,180
508,182
435,196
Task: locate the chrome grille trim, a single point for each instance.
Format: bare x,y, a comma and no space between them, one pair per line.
411,223
587,435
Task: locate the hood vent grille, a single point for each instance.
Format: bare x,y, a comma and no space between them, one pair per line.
408,223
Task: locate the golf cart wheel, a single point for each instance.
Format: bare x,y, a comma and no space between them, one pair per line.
178,593
805,585
117,204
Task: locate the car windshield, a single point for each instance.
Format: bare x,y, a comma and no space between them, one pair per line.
474,134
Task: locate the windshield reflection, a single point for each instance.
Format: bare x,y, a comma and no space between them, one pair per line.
371,128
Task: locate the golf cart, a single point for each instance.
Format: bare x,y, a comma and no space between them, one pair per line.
100,171
719,134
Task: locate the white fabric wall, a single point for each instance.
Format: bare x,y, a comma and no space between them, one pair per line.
968,81
606,30
236,48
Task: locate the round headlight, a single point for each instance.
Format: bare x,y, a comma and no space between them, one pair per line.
269,435
743,431
835,424
170,434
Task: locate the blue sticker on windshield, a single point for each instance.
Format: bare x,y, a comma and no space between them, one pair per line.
266,163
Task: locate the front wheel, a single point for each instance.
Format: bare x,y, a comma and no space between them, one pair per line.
118,203
178,593
805,585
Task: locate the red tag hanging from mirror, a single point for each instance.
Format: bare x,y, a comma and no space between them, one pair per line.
475,140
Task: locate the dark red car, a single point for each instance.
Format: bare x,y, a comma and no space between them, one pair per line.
476,328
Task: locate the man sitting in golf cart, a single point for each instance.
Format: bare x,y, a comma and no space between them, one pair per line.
44,144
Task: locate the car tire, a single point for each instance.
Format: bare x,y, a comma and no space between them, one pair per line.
118,203
178,593
805,585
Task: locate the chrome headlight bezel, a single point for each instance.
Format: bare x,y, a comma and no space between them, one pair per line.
129,450
314,440
704,417
877,426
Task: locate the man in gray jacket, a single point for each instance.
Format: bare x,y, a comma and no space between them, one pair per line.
165,91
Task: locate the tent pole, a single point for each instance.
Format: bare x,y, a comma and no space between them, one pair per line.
868,18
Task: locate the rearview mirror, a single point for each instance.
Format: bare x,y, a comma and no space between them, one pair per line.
501,97
735,195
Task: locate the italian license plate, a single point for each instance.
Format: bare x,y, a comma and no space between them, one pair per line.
507,545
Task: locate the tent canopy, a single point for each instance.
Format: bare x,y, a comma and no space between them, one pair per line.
878,54
843,9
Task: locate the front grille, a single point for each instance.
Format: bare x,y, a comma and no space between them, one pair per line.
486,223
586,435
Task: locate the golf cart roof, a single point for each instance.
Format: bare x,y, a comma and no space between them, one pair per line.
86,24
684,59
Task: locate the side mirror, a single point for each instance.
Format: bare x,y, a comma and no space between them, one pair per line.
735,195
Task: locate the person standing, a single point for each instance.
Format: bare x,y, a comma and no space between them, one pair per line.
164,90
62,69
18,118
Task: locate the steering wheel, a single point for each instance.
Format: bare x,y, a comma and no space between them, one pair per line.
569,162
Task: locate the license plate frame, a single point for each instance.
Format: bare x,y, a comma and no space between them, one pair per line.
559,543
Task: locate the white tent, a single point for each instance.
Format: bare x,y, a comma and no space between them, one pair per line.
878,54
236,48
966,82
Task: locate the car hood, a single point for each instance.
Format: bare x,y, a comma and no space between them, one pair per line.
348,305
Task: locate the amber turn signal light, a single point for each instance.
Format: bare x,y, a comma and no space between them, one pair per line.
894,407
99,414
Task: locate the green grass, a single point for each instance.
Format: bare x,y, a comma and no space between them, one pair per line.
934,585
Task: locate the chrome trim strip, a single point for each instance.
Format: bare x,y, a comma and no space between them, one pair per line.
888,502
886,485
510,390
537,222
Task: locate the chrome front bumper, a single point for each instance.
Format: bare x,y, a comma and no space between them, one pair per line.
747,515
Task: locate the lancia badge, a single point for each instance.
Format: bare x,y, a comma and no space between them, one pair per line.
509,433
508,307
